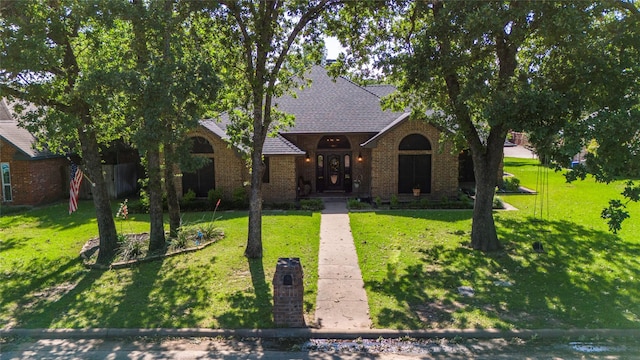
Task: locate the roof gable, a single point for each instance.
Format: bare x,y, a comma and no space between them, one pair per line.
337,105
19,137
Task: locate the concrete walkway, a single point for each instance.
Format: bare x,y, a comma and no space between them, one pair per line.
342,300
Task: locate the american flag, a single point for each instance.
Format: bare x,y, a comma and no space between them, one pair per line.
74,187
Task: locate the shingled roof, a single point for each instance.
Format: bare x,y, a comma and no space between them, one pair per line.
19,137
327,106
277,145
335,106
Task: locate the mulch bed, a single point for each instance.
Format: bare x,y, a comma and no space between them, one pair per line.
91,248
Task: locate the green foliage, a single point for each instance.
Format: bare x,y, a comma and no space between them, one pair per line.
311,204
378,201
130,248
210,230
280,206
189,196
213,196
239,198
272,50
498,203
356,204
511,183
614,214
485,68
394,201
181,241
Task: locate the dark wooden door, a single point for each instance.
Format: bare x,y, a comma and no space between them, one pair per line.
414,170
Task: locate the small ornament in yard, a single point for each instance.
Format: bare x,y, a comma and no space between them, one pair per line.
198,238
123,210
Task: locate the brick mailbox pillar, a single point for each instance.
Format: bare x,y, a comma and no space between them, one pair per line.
288,291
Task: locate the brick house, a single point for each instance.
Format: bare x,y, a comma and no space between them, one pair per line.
28,176
33,177
342,142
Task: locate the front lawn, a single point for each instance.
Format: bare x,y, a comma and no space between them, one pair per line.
413,262
43,283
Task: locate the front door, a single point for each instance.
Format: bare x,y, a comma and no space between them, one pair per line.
334,171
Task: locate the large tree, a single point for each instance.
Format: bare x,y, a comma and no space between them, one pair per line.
266,44
174,80
610,132
486,67
59,56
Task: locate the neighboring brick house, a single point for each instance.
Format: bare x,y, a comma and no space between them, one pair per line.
32,177
342,142
28,176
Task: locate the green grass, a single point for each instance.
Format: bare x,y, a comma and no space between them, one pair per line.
43,283
414,261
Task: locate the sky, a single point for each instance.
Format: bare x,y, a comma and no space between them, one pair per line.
333,48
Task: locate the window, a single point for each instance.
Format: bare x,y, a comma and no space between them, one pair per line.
200,145
414,164
334,142
415,142
6,182
203,179
265,175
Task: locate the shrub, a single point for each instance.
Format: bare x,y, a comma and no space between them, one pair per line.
213,196
182,240
144,202
189,196
239,198
136,207
355,204
394,201
498,203
511,184
280,206
130,248
311,204
378,201
209,230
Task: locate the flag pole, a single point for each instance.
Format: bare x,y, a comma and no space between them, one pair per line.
89,180
84,174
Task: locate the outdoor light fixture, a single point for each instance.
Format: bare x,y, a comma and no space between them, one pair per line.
307,158
359,157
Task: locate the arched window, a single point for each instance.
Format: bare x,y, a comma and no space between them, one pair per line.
203,179
334,142
200,145
415,142
414,164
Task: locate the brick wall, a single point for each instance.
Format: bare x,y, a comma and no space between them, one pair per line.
35,182
282,183
384,166
378,170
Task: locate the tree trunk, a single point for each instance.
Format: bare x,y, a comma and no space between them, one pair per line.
106,225
485,165
172,196
156,232
254,240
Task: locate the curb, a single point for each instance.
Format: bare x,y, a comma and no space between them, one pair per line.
104,333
